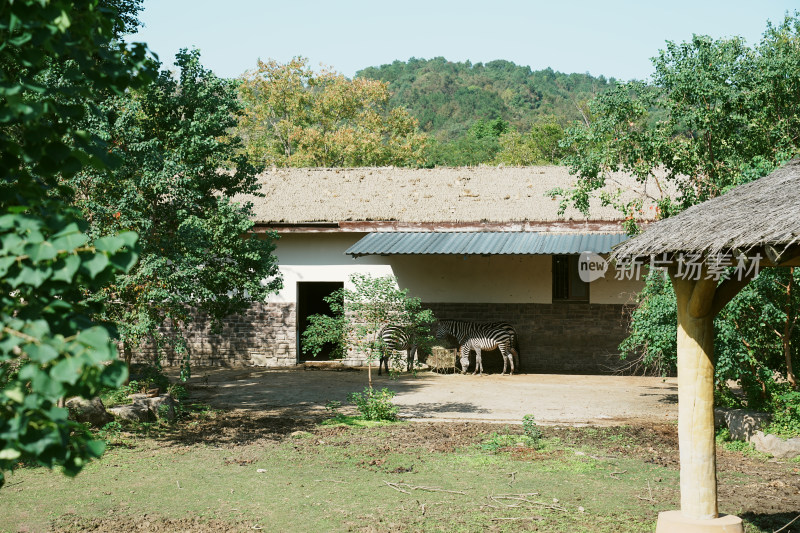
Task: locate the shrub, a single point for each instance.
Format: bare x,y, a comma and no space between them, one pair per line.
532,431
786,413
374,404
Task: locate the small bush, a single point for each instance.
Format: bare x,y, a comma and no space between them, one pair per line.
723,436
119,396
531,430
149,377
111,433
374,404
333,406
786,413
497,441
178,392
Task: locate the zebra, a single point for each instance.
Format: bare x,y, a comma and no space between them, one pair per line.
482,336
397,338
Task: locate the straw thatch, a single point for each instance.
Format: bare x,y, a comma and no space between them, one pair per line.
759,213
488,194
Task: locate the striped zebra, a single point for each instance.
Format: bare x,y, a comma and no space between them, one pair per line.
396,338
480,336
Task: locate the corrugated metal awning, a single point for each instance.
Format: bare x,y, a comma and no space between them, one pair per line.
484,243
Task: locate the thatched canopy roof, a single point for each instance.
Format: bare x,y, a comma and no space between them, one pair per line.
765,212
439,195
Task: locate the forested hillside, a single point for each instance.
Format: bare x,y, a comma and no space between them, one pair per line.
447,98
414,113
484,113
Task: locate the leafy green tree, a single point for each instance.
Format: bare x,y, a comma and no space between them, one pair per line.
297,117
176,189
730,114
49,346
328,330
478,145
540,146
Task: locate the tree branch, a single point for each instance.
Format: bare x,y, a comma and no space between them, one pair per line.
727,290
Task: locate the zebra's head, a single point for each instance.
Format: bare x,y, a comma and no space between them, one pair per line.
464,362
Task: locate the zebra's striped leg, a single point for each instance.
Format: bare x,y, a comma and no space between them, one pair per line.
383,361
412,351
478,362
516,358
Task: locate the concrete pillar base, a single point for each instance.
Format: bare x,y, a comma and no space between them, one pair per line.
675,522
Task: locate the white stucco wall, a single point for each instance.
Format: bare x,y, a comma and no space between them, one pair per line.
433,278
608,290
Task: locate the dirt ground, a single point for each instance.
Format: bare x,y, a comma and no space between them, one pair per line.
552,399
261,412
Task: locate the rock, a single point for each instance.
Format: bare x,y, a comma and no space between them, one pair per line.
133,413
146,408
776,446
92,411
162,406
742,423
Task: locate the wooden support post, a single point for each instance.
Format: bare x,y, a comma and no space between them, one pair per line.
696,397
696,311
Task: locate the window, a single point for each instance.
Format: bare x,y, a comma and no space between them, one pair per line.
567,284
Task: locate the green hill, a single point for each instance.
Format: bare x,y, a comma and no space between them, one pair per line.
448,98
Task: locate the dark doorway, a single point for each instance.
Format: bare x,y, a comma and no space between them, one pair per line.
310,301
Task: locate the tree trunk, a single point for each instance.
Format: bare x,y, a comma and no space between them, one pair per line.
787,332
696,398
127,353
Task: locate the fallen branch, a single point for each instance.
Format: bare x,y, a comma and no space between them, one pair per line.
513,479
615,474
787,525
395,487
650,499
537,518
530,502
329,481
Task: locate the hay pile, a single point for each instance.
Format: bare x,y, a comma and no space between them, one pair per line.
442,360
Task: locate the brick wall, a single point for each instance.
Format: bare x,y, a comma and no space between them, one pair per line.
562,337
554,338
265,335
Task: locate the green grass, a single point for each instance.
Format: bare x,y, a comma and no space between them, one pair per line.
356,421
351,476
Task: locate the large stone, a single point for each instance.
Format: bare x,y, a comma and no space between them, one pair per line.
776,446
88,411
162,406
132,413
742,423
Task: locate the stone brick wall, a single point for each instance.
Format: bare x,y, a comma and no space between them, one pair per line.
562,337
265,335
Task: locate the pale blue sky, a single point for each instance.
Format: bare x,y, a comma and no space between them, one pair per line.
614,38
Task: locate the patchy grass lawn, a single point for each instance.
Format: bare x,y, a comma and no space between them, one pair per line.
246,471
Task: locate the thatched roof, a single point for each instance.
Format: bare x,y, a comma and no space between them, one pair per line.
451,195
759,213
